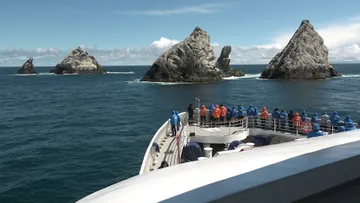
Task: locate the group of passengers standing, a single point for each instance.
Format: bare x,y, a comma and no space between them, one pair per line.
281,118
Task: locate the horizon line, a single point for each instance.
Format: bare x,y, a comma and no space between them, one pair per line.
243,64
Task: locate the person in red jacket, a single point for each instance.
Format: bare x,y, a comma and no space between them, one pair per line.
203,112
216,113
223,111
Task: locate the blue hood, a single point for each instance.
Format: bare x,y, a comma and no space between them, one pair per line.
316,127
347,119
173,112
177,113
335,113
315,114
251,106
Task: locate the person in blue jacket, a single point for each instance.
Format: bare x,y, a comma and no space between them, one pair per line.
316,132
250,114
241,110
303,116
341,129
276,116
315,118
256,114
350,126
228,114
250,111
178,120
234,112
359,124
283,118
347,120
211,108
335,118
174,122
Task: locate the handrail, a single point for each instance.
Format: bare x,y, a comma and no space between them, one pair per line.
269,123
159,133
178,136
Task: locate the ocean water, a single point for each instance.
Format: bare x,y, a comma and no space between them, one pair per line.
64,137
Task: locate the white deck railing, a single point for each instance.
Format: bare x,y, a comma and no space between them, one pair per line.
161,133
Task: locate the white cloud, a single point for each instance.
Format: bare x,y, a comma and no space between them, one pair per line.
341,40
215,44
202,9
164,43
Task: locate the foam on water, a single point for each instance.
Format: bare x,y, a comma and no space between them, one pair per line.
247,76
121,73
34,74
351,76
137,81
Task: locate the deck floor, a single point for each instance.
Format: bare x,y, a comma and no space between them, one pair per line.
168,149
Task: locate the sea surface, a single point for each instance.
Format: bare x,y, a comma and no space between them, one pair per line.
65,137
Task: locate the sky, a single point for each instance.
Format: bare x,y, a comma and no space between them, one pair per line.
136,32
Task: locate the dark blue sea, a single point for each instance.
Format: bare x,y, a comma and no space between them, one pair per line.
64,137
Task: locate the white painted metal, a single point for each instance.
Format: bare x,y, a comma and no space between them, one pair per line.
161,133
208,152
173,181
219,135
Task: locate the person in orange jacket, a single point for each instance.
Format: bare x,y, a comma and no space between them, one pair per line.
216,113
203,111
263,116
296,120
223,111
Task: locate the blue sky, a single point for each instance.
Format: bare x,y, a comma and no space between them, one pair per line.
49,29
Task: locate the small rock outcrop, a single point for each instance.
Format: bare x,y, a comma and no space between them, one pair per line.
223,64
28,67
191,60
304,57
78,61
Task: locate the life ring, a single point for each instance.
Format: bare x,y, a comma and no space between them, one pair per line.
306,127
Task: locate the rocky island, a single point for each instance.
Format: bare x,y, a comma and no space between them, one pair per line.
223,64
304,57
191,60
78,61
28,67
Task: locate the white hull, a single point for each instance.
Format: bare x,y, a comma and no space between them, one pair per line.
280,173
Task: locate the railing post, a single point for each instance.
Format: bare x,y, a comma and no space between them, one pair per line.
274,125
229,128
297,129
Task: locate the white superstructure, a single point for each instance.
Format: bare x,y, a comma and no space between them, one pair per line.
292,168
276,173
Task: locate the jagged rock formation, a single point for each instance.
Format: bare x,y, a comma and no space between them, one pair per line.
191,60
304,57
78,61
223,63
28,67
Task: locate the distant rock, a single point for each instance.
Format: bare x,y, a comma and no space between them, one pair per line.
78,61
28,67
304,57
191,60
223,64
